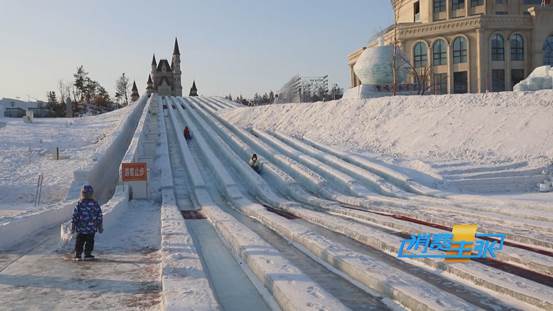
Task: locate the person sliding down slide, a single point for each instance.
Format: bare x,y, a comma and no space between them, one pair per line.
255,163
187,135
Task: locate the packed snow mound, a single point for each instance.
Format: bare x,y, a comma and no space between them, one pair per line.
540,79
480,128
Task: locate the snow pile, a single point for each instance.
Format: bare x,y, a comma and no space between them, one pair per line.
540,79
480,128
27,150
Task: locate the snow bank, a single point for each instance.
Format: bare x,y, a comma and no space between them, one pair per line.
27,150
474,127
541,78
103,176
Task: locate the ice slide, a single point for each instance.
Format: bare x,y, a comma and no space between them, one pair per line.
476,270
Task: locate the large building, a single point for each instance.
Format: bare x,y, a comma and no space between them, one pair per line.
165,78
471,45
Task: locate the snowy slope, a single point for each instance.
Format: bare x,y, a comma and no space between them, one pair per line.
460,142
27,150
473,127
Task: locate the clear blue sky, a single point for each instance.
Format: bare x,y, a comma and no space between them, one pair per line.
227,46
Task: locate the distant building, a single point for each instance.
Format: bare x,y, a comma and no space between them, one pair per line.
471,45
15,108
303,89
165,78
14,112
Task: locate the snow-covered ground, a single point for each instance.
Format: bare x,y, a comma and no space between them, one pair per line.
459,141
319,228
125,277
29,149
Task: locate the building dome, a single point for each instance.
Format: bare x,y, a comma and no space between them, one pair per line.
374,66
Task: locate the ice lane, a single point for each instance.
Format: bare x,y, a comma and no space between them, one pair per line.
350,295
232,287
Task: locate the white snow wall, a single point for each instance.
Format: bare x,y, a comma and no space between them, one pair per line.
103,175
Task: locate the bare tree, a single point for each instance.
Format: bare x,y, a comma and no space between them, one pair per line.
395,62
122,90
64,90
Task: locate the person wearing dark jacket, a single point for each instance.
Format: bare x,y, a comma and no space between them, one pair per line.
87,220
187,135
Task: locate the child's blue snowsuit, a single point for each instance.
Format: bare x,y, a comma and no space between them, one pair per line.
87,219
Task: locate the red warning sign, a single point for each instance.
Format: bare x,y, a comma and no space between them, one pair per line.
134,171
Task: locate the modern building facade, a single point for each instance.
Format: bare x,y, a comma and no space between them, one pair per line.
165,78
302,89
471,45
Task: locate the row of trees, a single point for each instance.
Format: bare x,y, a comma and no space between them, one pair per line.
270,98
257,100
321,94
86,95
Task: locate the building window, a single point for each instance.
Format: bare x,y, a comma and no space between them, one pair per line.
439,52
474,3
460,82
501,13
498,48
548,51
458,4
459,50
420,55
517,47
417,10
440,83
498,80
439,6
517,75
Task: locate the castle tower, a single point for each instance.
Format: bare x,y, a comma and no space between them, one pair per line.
134,95
154,63
193,89
150,86
175,65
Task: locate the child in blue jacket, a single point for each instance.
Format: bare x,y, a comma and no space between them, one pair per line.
87,219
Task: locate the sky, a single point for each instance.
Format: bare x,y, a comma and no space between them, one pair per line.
227,46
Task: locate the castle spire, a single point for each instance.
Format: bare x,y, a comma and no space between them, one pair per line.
176,48
193,89
154,63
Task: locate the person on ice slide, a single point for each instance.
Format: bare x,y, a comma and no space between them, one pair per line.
187,135
87,219
255,163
